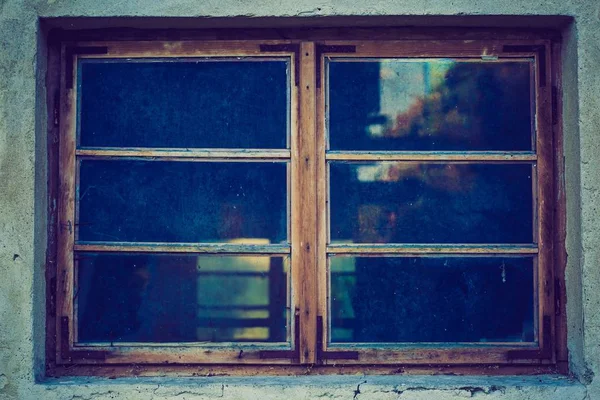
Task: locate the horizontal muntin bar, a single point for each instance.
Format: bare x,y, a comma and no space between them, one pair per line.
183,154
497,58
245,344
428,345
160,247
404,249
144,58
467,156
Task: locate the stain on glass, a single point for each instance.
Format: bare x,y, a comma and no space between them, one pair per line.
443,104
182,298
431,299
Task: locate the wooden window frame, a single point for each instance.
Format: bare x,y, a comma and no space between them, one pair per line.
309,353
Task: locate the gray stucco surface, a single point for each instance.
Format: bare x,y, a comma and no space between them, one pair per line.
23,208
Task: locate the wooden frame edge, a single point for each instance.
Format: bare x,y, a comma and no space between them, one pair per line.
54,225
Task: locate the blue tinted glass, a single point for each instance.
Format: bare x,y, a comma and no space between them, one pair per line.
150,201
431,299
211,104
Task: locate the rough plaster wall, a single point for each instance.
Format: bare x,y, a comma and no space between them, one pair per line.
22,208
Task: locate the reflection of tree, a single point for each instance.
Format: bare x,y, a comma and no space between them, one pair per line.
476,106
470,106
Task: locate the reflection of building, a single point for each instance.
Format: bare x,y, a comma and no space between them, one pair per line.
242,298
183,298
166,298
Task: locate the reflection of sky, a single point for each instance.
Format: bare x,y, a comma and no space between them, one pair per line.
401,83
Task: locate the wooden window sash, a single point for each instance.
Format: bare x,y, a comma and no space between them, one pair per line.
308,156
541,158
67,351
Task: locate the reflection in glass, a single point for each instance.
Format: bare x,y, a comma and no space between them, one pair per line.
193,103
403,202
400,104
148,201
431,299
182,298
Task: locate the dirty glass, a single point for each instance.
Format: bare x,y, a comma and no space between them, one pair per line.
150,201
183,103
404,202
436,104
431,299
181,298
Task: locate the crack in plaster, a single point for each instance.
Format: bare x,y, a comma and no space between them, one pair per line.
314,11
183,392
476,390
357,391
473,391
95,395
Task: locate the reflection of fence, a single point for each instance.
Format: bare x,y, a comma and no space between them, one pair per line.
275,303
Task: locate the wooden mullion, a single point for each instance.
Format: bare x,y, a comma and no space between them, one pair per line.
207,248
466,156
304,209
441,249
183,154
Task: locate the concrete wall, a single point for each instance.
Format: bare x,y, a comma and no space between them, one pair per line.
23,203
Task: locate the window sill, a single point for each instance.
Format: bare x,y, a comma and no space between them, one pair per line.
368,387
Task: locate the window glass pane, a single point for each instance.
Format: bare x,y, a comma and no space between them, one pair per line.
400,104
150,201
404,202
182,298
431,299
193,103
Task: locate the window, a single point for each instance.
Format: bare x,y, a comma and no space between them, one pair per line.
306,202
